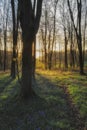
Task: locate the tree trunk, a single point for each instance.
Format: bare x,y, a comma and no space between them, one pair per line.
15,36
5,42
45,38
29,22
66,62
72,62
49,60
27,68
13,64
60,56
45,59
80,56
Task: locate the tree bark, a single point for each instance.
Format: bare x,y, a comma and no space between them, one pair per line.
27,68
15,36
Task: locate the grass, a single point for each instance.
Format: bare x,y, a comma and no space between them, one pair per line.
76,85
49,110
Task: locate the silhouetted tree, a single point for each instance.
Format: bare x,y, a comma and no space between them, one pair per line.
15,35
78,31
5,22
29,20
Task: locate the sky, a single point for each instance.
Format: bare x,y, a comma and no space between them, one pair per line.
59,26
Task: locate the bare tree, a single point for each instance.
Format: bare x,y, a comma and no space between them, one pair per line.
78,31
84,29
50,54
48,31
5,22
15,35
29,23
44,37
64,22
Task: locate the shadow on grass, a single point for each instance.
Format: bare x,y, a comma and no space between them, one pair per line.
47,111
8,89
59,113
4,82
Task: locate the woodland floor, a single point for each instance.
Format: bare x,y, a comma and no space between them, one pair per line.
61,103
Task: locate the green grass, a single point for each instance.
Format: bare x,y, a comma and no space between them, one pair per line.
77,87
47,111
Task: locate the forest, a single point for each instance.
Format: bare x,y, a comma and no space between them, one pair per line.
43,64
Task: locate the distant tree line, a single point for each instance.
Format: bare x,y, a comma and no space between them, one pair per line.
64,25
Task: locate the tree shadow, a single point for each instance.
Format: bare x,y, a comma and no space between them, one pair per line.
46,111
4,83
60,112
8,89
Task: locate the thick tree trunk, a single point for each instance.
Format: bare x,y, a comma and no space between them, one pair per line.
29,22
26,90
